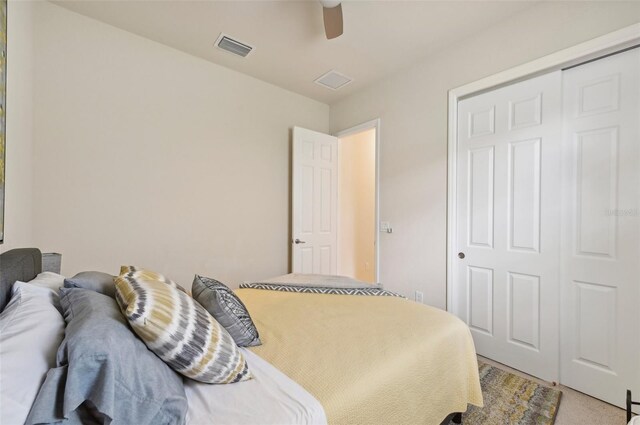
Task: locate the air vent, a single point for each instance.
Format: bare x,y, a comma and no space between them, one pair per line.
236,47
334,80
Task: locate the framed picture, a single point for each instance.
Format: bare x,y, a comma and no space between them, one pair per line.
3,103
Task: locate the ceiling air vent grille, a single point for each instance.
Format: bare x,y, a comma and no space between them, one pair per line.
236,47
333,80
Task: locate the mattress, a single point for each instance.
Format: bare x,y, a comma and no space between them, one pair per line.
368,359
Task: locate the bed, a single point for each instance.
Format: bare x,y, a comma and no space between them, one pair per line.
337,359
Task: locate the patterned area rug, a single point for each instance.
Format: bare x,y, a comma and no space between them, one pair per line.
510,399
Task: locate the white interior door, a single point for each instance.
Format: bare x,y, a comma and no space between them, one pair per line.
601,228
507,284
315,202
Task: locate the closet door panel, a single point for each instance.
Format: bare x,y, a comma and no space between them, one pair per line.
506,284
601,228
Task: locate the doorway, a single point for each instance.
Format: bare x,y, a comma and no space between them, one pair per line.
335,202
357,230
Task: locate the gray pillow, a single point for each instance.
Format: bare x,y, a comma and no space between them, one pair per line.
227,309
94,281
105,372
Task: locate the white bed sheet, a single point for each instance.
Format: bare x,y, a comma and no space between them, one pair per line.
270,398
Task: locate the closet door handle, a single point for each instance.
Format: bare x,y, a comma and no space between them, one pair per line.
298,241
461,255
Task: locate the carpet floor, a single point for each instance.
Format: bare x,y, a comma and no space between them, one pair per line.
512,400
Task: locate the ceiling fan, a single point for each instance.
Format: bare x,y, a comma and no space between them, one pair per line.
332,15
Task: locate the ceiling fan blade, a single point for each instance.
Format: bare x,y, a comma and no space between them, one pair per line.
332,21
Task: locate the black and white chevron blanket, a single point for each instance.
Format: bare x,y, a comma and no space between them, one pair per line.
376,292
319,284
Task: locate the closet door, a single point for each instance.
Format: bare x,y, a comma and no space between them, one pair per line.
506,282
600,351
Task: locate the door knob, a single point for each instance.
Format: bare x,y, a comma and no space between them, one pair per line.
461,255
297,241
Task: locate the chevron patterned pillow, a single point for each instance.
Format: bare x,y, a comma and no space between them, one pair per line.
178,329
227,309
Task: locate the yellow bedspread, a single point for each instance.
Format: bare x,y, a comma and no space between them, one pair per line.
368,360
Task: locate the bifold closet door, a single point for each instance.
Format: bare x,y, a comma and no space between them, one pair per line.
601,228
506,280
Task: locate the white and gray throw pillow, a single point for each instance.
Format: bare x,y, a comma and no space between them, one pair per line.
178,329
227,309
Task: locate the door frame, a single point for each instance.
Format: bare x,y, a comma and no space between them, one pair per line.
368,125
614,42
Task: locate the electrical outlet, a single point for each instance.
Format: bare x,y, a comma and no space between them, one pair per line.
366,265
419,297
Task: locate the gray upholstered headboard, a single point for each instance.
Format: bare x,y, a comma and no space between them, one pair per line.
18,264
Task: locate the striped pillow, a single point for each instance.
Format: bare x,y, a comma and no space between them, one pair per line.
178,329
148,274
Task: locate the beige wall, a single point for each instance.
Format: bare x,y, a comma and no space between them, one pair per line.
357,206
137,153
149,156
412,106
19,146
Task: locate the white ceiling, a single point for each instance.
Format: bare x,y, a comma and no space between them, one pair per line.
380,37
